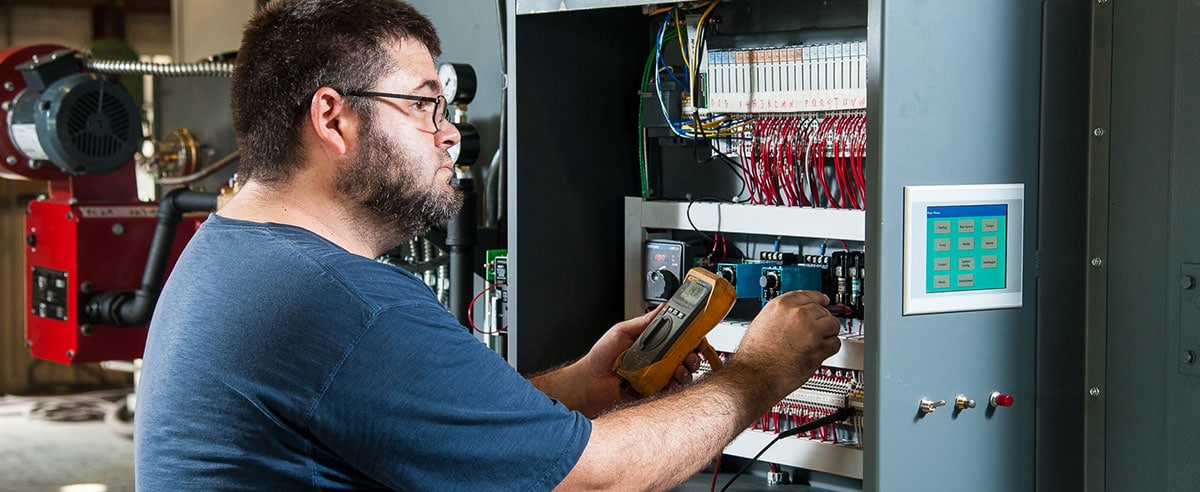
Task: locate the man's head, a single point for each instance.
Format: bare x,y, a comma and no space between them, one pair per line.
293,47
318,80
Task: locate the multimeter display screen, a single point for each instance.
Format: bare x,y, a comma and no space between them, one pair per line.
692,293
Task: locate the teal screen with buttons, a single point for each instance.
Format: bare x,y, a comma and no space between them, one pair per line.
966,248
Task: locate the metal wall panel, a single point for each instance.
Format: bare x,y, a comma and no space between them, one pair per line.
1062,247
1135,395
1183,378
953,99
1153,396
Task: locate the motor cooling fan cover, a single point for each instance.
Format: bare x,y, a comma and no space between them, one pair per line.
88,124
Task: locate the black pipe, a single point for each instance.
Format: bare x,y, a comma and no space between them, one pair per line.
133,308
460,238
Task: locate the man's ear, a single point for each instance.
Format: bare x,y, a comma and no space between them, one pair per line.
331,120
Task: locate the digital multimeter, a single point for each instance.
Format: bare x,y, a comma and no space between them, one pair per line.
697,306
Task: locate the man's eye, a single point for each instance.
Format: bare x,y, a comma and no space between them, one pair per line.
422,106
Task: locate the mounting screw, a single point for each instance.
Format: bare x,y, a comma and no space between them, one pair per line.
1189,357
85,330
10,160
31,240
85,287
6,106
70,354
8,86
70,216
118,229
28,344
1099,132
1187,282
1095,392
1097,261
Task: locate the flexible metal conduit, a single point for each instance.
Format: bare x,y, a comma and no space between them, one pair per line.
121,67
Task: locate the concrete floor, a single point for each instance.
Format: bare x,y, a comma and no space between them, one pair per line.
39,456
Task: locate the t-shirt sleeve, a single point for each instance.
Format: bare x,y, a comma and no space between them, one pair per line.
418,403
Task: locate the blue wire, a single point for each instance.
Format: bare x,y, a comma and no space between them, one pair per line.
662,62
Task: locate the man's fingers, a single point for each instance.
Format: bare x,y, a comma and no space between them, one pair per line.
806,297
682,376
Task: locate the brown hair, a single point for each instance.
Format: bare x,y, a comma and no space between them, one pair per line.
290,49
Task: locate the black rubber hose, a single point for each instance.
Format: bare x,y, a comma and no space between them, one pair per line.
126,308
461,239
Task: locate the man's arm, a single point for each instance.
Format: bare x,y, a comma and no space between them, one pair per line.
589,384
658,444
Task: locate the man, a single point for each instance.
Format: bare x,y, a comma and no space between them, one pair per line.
282,357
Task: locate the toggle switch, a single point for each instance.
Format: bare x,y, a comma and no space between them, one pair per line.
999,399
961,402
929,406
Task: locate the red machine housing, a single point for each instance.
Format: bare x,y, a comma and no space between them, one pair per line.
75,248
89,235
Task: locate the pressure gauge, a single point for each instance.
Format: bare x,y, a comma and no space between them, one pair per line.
458,82
466,151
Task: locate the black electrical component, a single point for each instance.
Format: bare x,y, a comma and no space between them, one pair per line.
846,277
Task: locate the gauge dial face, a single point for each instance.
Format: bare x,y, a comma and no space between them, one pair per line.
458,82
449,77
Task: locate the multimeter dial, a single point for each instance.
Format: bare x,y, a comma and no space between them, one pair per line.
458,82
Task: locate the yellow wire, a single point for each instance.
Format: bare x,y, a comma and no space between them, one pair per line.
682,49
696,44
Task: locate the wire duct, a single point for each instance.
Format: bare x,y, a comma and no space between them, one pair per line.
121,67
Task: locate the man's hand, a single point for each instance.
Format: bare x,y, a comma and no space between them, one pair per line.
620,337
659,442
590,386
790,339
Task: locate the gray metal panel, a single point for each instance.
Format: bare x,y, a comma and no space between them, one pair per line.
1152,404
1138,176
1096,281
1062,253
954,99
1183,387
200,104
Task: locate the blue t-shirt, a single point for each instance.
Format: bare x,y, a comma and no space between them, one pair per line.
278,361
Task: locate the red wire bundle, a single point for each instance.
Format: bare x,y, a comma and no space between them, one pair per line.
806,161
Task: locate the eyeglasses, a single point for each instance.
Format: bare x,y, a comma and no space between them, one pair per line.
440,109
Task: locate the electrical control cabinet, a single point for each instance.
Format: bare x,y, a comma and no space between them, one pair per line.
883,96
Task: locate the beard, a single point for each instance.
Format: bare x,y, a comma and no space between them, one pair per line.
386,183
